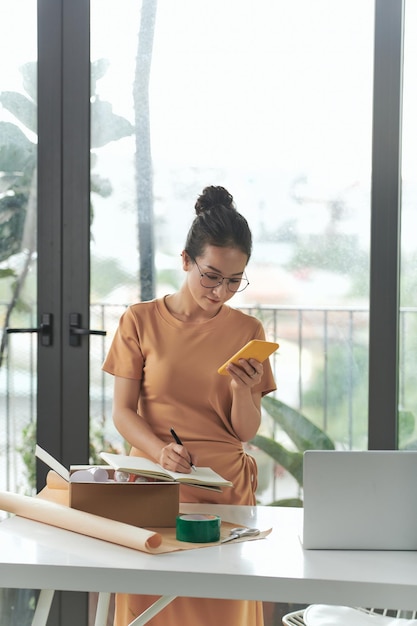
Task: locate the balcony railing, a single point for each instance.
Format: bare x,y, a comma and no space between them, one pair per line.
321,368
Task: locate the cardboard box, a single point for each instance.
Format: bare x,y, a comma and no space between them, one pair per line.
140,504
145,504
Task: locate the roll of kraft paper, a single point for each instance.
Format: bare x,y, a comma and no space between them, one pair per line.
88,524
198,528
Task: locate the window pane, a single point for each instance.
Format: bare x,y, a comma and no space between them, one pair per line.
17,267
18,140
272,100
408,300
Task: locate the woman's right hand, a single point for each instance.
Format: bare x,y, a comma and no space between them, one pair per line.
138,433
175,458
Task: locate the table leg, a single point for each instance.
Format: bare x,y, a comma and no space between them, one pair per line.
102,611
153,610
43,607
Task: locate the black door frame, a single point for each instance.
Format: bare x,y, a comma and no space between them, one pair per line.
64,244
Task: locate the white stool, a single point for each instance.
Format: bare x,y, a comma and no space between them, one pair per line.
323,615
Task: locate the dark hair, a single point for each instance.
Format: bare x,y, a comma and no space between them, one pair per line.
218,223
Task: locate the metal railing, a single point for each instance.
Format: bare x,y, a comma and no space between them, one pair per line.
321,369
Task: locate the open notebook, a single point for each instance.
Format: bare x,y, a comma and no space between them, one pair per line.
203,477
360,500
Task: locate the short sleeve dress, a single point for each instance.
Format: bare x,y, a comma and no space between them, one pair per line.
177,364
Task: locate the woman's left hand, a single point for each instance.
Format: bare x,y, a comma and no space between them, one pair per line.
245,413
247,374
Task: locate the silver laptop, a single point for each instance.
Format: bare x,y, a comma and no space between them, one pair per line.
360,500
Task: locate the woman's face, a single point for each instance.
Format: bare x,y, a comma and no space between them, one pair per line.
214,264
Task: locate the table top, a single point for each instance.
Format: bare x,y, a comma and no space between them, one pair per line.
39,556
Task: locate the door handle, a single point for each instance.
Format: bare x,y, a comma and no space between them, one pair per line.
76,332
45,330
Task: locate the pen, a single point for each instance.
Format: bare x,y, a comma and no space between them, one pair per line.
179,442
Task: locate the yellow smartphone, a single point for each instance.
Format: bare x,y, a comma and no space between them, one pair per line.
254,349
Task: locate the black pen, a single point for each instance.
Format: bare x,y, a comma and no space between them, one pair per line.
179,442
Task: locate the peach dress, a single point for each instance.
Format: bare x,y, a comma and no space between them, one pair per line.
177,364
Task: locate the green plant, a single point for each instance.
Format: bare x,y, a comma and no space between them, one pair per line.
303,433
27,451
406,430
100,443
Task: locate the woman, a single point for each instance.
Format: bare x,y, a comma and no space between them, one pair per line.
165,356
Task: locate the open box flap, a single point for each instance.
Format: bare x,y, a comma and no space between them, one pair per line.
52,463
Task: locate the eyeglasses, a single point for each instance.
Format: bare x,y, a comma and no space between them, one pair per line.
210,280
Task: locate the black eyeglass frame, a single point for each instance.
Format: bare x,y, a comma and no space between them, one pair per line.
222,278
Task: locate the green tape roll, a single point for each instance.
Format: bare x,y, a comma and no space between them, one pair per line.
198,528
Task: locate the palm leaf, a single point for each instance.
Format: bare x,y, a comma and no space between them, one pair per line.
17,152
106,126
406,425
21,107
29,76
291,461
98,70
304,434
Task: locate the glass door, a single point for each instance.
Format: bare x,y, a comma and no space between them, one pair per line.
18,267
45,204
18,242
407,393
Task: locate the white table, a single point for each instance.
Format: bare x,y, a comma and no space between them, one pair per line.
277,569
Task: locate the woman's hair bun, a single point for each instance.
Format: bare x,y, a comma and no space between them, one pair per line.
217,223
213,196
